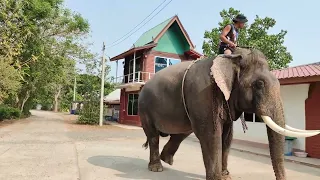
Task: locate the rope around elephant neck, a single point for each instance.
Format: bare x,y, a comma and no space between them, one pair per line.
244,125
182,88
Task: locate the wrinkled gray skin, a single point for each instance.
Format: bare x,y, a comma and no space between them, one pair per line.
244,77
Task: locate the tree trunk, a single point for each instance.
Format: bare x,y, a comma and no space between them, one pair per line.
55,105
25,100
17,101
56,98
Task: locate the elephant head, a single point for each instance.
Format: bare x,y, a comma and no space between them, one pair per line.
245,79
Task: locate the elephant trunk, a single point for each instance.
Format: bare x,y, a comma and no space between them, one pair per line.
276,145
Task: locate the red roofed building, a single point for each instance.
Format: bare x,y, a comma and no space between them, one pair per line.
299,74
300,93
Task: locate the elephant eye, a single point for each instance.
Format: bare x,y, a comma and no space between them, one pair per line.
259,84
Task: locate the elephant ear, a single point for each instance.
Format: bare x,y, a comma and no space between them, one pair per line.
224,70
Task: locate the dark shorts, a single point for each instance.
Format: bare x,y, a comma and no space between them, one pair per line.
223,48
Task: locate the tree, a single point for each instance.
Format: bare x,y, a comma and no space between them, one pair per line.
88,88
57,46
14,31
254,35
88,83
40,43
9,79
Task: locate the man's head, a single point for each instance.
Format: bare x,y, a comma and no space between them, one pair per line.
240,20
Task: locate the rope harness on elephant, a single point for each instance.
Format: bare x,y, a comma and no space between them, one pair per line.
182,88
244,126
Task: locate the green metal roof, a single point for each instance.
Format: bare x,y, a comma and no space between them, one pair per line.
148,36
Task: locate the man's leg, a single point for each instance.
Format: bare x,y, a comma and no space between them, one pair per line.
227,51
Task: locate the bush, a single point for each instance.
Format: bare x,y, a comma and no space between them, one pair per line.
7,112
77,112
46,107
90,112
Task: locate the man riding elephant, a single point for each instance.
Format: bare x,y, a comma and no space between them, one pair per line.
192,97
230,33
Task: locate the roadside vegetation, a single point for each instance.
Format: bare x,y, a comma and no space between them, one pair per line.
41,42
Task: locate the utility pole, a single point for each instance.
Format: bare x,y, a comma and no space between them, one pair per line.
117,71
102,85
74,88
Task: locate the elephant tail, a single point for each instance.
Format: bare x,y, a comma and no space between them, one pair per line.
145,145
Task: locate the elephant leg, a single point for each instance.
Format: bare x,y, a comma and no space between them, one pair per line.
155,162
172,146
211,146
153,140
227,136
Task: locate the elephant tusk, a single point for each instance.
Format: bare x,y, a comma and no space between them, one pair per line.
285,132
300,130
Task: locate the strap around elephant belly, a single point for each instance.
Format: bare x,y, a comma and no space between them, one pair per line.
182,88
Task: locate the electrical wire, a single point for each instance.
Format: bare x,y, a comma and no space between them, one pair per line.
138,24
112,45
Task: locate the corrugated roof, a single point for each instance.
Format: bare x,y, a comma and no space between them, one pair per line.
113,96
148,36
307,70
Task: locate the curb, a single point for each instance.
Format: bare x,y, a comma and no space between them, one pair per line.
265,155
268,156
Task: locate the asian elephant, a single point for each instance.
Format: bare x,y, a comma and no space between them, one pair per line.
205,97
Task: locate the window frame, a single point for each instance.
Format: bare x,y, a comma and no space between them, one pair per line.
167,59
253,119
128,102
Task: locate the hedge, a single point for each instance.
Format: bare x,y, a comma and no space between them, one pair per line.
7,112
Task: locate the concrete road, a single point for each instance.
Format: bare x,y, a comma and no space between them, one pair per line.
48,146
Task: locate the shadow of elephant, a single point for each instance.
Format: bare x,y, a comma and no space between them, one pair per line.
134,168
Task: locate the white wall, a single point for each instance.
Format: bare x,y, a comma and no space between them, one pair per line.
293,97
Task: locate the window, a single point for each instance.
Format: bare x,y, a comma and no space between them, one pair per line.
132,104
252,117
162,62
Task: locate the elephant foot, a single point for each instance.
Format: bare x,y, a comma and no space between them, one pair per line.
226,175
155,167
167,158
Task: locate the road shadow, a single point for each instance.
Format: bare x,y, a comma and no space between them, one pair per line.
134,168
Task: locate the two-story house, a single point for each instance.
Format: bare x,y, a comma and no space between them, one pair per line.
165,44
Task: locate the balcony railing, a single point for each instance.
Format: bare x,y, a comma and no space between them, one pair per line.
140,77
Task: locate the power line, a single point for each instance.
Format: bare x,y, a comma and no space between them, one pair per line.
139,23
142,25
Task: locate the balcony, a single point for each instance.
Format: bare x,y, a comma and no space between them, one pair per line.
132,81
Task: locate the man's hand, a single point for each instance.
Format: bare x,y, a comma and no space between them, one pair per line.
232,45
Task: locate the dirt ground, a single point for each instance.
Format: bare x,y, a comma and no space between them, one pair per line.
50,146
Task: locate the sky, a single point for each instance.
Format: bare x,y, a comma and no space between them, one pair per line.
111,19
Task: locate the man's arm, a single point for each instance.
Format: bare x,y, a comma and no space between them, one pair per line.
223,35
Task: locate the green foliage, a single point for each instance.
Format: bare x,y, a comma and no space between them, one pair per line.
7,112
14,30
88,83
46,107
254,35
40,43
9,79
88,87
90,112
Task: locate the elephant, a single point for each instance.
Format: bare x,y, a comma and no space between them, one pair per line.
204,97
